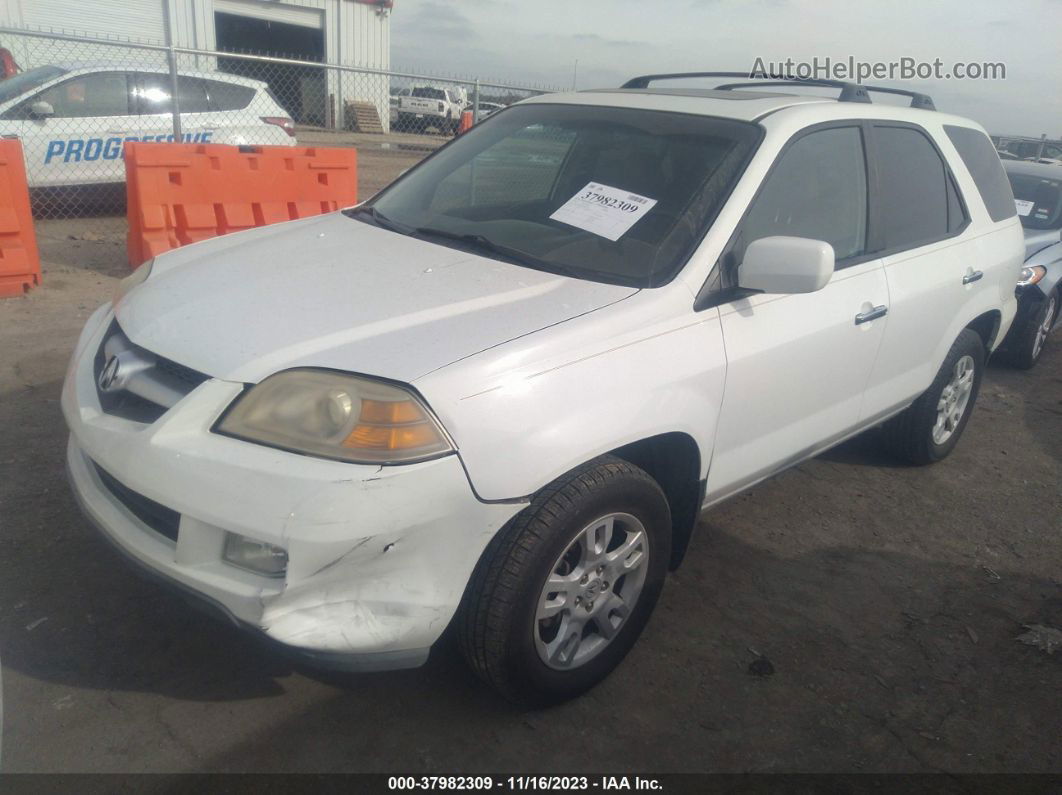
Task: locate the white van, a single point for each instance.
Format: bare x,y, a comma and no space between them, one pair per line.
73,120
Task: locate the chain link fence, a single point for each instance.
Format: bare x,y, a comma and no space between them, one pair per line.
78,99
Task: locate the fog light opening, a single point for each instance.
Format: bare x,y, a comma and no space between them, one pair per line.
256,556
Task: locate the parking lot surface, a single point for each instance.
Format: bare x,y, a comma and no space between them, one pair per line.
887,598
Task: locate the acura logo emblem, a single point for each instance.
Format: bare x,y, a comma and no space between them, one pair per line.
109,374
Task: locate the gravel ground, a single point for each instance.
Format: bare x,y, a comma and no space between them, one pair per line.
887,598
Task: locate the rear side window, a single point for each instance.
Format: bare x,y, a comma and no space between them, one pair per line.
917,199
193,95
982,162
817,189
226,96
155,94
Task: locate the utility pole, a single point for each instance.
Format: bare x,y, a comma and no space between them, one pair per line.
575,74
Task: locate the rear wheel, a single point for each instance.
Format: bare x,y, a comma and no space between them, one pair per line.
928,429
565,589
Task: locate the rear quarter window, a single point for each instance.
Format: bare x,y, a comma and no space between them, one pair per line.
983,163
226,96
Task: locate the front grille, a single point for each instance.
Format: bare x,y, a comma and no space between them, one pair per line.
156,384
187,375
164,521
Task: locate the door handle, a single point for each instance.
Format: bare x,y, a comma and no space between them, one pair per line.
972,277
872,314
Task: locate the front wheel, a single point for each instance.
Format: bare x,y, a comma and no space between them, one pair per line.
928,429
565,589
1024,350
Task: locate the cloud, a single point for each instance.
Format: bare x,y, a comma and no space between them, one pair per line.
524,42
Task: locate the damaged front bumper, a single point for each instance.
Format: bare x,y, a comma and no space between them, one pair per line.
378,557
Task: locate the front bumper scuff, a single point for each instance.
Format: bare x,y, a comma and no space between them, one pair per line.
378,557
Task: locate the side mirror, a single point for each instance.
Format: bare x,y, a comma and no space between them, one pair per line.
42,110
786,265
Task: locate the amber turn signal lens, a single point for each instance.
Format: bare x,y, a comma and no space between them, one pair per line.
393,437
395,412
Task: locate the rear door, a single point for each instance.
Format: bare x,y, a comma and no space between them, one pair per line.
931,272
797,365
81,143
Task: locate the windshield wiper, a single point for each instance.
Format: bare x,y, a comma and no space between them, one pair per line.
485,245
377,218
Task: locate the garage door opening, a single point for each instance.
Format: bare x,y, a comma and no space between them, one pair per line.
299,89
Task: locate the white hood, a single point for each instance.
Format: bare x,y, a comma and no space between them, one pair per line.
335,292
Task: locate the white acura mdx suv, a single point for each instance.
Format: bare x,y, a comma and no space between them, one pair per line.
500,392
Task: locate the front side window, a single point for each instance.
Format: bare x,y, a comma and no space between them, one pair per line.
99,94
16,85
817,189
610,194
915,191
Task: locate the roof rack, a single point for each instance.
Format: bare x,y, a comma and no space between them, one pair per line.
850,92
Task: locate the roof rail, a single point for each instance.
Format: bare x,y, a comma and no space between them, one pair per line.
850,92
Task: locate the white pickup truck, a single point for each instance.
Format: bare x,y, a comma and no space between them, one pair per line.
428,106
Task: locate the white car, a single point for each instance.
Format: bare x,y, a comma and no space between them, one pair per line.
73,120
501,392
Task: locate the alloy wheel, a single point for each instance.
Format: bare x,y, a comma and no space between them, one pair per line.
591,590
954,400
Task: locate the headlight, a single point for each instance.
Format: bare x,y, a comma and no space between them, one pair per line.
334,415
131,281
1031,275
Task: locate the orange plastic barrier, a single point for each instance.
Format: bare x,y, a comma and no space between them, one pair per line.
180,193
20,262
466,122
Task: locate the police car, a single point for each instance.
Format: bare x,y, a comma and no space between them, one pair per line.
73,120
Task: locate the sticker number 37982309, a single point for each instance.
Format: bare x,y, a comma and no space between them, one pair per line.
603,210
630,205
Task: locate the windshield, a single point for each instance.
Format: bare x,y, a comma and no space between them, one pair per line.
27,81
1038,200
618,195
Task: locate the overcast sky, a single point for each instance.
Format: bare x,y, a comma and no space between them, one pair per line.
539,41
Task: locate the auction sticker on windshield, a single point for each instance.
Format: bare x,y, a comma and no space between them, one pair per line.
604,211
1023,207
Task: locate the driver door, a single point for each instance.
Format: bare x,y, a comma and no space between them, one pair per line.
798,365
81,142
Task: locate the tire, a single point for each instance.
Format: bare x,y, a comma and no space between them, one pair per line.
501,635
1024,349
913,435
